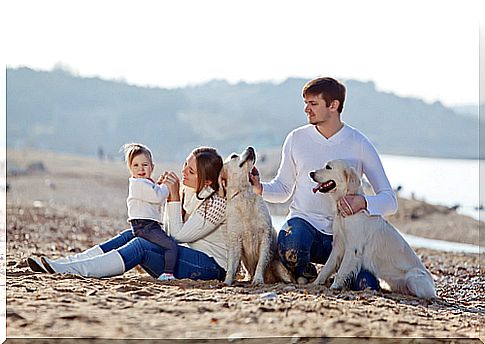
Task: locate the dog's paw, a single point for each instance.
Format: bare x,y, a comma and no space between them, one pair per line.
318,282
228,281
335,286
257,281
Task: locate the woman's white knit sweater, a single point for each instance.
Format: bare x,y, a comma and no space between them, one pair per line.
203,228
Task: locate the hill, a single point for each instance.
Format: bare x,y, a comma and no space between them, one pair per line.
62,112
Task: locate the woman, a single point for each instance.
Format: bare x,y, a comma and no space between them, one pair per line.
196,222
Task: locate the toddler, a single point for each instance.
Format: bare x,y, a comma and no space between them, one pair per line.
145,200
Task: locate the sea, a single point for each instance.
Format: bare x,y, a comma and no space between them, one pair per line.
447,182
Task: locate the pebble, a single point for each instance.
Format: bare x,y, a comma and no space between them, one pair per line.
271,296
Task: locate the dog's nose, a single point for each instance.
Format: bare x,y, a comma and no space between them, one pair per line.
312,174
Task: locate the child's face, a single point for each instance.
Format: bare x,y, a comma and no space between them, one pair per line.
141,167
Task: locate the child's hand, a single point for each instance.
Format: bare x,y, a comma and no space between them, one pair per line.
162,178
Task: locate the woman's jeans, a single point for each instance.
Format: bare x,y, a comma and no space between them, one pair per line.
153,232
190,263
299,243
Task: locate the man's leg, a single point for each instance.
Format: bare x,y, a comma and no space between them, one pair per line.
364,279
299,243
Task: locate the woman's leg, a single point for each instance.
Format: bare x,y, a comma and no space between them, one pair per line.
117,241
115,262
105,265
148,255
153,232
197,265
97,250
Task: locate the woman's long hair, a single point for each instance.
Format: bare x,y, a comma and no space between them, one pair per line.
209,165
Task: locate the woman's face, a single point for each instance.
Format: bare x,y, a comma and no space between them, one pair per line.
189,172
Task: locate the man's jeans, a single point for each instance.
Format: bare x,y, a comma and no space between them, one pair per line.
191,263
299,243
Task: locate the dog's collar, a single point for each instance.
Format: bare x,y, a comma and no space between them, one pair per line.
233,195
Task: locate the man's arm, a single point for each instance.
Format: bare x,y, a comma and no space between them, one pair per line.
384,202
281,187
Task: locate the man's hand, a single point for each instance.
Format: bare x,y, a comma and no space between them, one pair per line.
351,204
255,181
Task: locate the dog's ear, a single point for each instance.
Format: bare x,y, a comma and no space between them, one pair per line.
353,180
222,183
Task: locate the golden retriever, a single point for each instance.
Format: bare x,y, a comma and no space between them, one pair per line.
250,234
368,242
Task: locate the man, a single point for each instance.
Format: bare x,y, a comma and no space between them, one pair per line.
307,234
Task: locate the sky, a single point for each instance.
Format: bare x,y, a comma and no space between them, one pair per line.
425,49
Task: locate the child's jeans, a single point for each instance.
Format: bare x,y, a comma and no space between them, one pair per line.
153,232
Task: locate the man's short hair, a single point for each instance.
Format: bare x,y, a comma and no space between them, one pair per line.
329,88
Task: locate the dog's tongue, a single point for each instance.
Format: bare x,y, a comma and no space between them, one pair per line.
317,188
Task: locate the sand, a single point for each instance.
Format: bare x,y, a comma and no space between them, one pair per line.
71,203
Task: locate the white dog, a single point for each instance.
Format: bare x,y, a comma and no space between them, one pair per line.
368,242
250,233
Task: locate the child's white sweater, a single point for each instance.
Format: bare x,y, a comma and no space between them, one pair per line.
145,199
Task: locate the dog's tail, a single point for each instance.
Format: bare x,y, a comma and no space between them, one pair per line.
420,283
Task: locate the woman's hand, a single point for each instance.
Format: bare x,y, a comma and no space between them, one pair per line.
173,183
351,204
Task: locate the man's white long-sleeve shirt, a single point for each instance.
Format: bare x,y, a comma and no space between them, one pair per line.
305,150
145,199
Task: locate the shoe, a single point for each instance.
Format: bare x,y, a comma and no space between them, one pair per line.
46,263
308,275
301,280
166,277
310,272
36,265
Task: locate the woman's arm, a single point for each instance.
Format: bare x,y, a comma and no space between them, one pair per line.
202,222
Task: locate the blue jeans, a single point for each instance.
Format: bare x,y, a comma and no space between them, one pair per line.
299,243
190,263
153,232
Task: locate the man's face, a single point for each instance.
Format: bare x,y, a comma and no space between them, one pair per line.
316,110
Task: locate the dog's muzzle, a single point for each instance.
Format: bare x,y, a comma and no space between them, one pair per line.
325,186
248,155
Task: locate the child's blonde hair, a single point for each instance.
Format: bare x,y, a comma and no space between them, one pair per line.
130,150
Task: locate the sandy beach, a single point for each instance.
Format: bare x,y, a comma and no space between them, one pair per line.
58,204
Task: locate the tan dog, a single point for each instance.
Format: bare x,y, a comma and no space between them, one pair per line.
368,242
250,234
